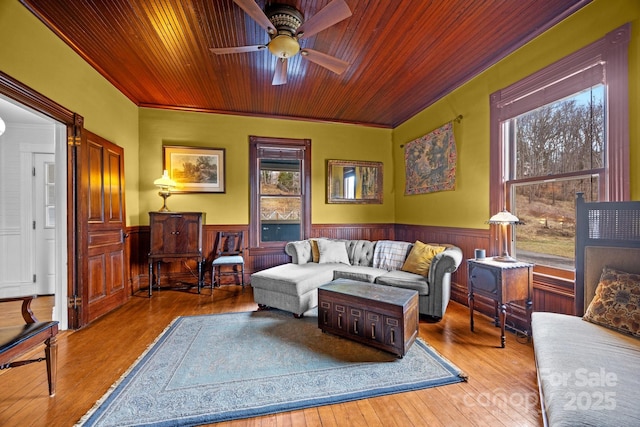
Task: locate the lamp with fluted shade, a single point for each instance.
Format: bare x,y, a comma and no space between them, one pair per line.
504,219
165,184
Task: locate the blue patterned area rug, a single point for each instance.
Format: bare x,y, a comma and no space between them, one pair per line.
212,368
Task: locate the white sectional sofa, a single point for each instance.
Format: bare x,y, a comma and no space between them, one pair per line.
293,286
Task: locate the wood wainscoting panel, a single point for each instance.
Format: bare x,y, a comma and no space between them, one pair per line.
370,232
553,294
138,247
549,294
263,259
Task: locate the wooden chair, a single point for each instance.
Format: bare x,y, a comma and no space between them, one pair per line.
228,257
19,339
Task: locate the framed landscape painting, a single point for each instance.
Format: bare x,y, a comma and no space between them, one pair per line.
195,169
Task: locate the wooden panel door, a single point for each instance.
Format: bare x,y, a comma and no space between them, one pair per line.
104,285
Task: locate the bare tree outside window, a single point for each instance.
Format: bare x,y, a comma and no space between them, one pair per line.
556,151
560,130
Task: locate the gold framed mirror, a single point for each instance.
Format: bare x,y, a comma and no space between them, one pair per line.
350,181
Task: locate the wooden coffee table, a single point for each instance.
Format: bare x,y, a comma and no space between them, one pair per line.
381,316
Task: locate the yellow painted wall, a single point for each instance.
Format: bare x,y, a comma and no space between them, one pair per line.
33,55
328,141
468,205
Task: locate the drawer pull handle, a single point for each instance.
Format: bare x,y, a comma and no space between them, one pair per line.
339,321
326,317
355,326
373,331
393,336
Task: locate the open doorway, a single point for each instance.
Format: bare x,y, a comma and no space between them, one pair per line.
33,206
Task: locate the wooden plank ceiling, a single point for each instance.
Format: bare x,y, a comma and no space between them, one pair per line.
403,54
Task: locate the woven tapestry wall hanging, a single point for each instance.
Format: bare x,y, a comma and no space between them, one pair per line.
430,162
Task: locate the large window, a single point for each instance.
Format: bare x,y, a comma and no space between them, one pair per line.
561,131
554,151
280,198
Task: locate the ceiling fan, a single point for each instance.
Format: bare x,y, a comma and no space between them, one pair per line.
286,26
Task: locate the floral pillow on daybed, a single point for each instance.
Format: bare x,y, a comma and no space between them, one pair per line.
616,304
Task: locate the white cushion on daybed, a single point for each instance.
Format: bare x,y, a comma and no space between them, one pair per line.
589,373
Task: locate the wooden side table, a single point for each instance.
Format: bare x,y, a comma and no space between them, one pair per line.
503,282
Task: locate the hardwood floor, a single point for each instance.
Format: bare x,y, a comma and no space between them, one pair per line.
501,390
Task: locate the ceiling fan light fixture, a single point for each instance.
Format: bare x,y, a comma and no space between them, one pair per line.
284,46
284,18
285,26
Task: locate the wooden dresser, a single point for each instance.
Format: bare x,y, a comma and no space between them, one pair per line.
174,236
377,315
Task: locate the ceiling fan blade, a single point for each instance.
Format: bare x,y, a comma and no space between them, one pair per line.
237,49
329,15
280,76
253,10
329,62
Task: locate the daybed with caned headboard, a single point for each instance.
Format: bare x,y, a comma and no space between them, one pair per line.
589,364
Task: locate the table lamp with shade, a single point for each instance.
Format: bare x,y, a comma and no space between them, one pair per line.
504,219
165,184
